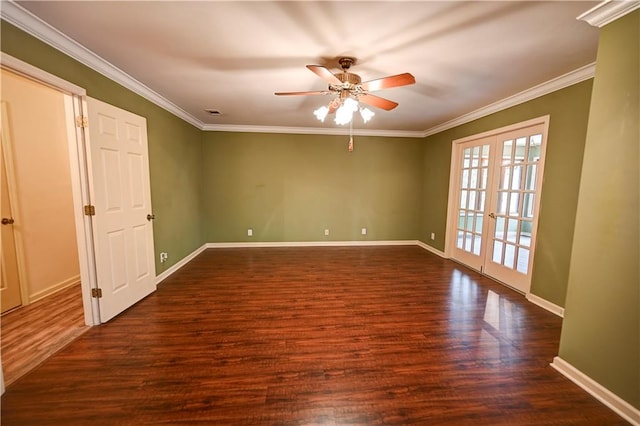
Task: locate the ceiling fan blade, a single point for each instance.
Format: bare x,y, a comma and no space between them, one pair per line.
324,73
323,92
388,82
377,102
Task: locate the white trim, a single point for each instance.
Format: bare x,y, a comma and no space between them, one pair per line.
545,304
311,130
31,24
576,76
427,247
509,128
74,107
312,244
54,288
174,268
43,77
607,12
595,389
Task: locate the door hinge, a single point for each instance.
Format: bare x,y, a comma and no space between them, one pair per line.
89,210
82,121
96,292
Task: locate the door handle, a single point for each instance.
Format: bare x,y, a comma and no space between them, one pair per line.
492,216
7,221
150,217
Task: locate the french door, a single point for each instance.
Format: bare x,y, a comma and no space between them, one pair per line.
494,198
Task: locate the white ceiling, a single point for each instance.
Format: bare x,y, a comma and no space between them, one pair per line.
233,56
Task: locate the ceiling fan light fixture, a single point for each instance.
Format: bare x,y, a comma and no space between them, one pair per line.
349,90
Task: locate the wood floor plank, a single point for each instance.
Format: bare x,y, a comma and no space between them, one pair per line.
32,333
292,336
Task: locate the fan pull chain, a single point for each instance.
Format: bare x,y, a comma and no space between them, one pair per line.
351,136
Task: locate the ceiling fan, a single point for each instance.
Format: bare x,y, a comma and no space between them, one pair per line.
349,90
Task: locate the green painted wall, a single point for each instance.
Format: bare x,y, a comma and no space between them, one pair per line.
292,187
568,110
174,146
601,329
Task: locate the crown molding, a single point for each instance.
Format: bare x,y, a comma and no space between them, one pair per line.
576,76
31,24
311,130
608,11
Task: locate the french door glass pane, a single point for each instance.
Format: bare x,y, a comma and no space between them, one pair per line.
524,238
509,255
527,206
530,181
499,232
517,177
497,252
472,200
523,260
505,177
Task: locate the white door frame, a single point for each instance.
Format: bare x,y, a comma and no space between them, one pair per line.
75,106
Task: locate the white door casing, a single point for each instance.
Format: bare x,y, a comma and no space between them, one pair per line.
120,188
494,198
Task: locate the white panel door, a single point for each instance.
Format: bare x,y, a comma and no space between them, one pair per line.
120,190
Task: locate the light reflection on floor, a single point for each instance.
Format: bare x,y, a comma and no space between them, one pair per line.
499,335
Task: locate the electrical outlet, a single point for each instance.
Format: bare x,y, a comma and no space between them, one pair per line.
249,232
364,231
163,257
326,232
433,235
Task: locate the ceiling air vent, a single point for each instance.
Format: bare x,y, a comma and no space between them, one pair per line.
213,112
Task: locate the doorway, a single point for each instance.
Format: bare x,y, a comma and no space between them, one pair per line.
494,198
40,263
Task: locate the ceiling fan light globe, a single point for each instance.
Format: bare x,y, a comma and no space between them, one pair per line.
351,104
366,114
343,114
321,113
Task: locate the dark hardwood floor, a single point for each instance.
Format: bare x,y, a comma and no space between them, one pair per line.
313,336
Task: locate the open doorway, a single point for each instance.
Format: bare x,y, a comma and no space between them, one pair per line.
40,262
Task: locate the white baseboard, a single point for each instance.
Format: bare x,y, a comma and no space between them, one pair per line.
313,244
543,303
602,394
431,249
54,288
180,264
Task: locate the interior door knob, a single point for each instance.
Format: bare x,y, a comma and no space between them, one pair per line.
150,217
492,216
7,221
